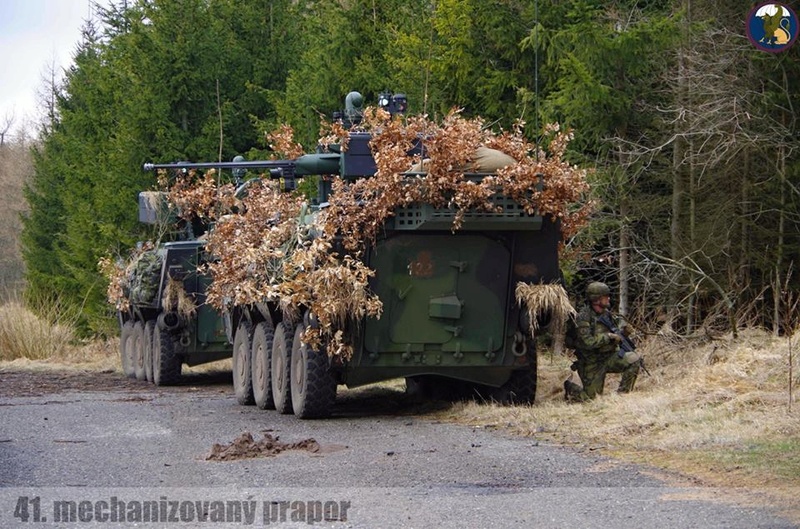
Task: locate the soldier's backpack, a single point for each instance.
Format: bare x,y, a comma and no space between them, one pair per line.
571,334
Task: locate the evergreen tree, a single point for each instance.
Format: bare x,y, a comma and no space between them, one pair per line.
666,98
602,69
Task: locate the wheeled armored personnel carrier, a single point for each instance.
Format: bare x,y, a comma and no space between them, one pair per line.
450,321
166,322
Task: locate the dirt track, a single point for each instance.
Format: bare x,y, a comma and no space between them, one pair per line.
38,383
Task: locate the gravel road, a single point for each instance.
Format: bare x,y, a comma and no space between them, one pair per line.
99,450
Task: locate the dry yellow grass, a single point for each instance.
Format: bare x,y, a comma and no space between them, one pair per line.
90,357
46,339
716,410
545,299
24,334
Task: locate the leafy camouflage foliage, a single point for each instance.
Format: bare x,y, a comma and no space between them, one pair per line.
273,249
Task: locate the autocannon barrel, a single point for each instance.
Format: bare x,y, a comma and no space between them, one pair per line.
306,164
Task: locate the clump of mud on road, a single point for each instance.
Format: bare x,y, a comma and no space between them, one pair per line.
245,447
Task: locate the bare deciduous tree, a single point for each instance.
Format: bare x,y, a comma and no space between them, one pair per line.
15,169
5,127
720,121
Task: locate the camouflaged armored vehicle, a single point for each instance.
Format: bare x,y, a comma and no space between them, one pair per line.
166,322
450,319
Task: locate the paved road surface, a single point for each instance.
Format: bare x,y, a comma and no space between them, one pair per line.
98,451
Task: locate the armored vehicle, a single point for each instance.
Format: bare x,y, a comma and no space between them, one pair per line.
450,319
167,323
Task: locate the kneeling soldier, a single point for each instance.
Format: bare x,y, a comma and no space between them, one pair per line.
598,349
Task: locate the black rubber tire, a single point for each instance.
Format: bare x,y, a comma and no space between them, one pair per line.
149,328
138,350
126,349
312,382
166,362
261,365
521,385
281,368
242,381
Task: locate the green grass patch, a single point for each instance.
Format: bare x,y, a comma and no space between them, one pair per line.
777,458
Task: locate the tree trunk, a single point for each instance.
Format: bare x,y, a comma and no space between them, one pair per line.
693,278
624,233
624,257
678,153
744,232
778,290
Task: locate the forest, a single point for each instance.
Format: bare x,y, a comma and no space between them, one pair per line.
689,130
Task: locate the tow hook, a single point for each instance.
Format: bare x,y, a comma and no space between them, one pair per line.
519,347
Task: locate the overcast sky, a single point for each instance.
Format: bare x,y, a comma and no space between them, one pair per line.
33,35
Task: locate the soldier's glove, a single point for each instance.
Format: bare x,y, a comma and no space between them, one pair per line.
614,337
631,357
627,330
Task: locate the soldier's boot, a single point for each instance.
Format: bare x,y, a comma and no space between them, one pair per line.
628,378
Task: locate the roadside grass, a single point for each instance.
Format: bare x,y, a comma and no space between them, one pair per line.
45,339
718,410
40,334
25,334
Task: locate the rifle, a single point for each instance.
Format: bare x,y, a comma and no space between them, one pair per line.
626,345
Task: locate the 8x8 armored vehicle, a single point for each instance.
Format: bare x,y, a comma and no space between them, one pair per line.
450,317
166,322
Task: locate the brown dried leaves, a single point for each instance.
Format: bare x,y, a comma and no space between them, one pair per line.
118,272
202,198
272,249
271,252
282,142
251,247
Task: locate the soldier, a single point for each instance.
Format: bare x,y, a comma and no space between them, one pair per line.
598,349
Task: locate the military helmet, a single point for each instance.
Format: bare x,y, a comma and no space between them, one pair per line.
597,290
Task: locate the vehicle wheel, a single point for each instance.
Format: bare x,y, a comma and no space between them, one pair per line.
313,385
261,359
521,385
242,383
149,328
281,366
138,350
126,349
166,362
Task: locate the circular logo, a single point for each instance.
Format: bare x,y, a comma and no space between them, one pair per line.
772,27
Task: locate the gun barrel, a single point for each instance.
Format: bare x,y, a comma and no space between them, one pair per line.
257,164
318,164
306,164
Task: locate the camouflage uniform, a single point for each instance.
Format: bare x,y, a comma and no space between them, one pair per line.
597,354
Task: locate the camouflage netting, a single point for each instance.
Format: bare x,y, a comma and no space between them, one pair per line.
176,299
267,253
132,280
143,278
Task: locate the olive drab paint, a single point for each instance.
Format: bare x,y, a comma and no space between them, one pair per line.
450,318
